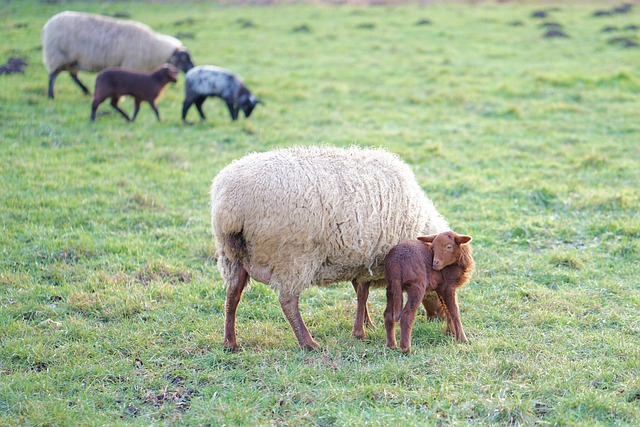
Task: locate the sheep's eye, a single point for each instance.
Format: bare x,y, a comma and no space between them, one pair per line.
449,247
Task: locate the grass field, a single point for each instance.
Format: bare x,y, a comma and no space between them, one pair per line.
111,306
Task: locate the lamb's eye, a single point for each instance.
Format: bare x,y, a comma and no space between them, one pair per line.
449,247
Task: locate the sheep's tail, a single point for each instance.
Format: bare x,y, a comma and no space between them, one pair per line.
231,252
396,293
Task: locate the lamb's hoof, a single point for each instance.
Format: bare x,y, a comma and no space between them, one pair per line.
358,334
310,346
405,350
231,347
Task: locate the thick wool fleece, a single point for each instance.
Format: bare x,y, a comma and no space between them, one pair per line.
84,41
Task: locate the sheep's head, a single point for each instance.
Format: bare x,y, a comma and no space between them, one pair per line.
446,247
182,60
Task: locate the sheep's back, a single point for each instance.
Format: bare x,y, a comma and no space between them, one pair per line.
320,215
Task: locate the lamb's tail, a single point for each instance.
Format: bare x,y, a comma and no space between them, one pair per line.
396,292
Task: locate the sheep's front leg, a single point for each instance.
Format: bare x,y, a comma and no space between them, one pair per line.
454,325
362,313
234,292
289,304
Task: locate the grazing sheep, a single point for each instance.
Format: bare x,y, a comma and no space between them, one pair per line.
75,41
208,80
115,82
298,217
440,263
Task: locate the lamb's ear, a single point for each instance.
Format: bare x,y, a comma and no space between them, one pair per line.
462,239
427,239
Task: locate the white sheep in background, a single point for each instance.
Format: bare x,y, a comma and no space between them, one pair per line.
75,41
293,218
208,80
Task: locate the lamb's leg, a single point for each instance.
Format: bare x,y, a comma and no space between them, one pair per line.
234,292
114,104
155,110
94,107
389,320
289,304
233,109
74,76
454,324
136,108
362,313
199,103
414,298
433,306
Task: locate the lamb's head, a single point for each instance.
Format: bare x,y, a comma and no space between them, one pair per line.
446,247
181,59
171,72
247,101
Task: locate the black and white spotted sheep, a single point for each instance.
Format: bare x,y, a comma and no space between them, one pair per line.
208,80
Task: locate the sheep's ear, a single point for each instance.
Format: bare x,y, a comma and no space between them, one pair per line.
462,239
427,239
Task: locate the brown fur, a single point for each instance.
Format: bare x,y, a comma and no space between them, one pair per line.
440,263
115,82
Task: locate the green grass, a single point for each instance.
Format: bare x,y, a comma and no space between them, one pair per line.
111,306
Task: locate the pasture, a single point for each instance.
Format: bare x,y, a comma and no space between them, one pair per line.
111,306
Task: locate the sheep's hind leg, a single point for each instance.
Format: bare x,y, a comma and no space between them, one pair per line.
289,304
74,76
234,292
52,81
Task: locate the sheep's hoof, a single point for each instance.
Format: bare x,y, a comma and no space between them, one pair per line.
405,350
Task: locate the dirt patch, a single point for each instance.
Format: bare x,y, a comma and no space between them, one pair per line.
13,65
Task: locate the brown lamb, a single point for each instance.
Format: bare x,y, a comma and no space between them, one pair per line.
441,263
115,82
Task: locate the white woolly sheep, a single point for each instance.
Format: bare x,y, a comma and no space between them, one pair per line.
207,80
297,217
75,41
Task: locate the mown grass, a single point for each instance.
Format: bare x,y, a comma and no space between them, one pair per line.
110,301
